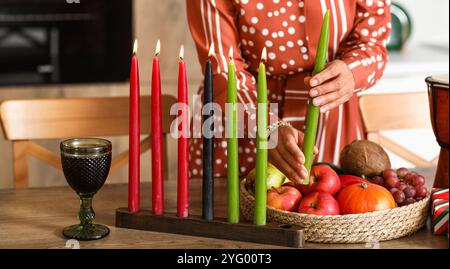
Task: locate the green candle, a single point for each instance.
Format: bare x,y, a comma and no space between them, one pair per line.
312,116
259,217
232,145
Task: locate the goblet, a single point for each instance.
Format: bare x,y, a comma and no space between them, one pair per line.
86,163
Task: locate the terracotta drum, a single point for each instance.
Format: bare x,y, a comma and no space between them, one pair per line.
439,108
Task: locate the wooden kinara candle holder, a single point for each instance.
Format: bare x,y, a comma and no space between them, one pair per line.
271,233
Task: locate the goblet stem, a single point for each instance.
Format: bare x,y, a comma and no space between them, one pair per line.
86,215
86,230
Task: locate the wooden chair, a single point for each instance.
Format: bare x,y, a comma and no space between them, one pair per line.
383,112
26,120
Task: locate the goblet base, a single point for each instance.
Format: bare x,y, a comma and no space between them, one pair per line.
87,232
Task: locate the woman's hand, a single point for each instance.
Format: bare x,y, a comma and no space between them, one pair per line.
333,86
287,156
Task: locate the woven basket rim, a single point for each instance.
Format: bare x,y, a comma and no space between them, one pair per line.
346,216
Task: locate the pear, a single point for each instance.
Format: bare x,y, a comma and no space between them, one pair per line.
274,178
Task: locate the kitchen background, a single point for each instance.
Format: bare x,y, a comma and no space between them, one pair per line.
425,53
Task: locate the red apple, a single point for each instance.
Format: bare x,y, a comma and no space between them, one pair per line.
347,180
322,179
284,198
319,203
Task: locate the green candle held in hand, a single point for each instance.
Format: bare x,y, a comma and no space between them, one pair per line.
232,144
312,116
259,217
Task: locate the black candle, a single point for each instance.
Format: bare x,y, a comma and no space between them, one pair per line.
208,141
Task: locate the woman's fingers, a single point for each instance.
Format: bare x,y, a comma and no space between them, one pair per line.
276,159
335,103
327,87
333,70
295,163
306,80
299,142
328,98
289,158
289,137
293,149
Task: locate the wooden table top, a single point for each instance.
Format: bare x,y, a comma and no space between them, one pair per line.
34,218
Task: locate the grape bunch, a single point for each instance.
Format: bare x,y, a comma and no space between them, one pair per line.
406,186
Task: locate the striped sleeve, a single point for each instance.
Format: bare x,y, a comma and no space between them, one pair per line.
365,50
214,21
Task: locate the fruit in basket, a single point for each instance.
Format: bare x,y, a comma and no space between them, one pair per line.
409,201
418,180
389,173
322,179
284,198
402,185
336,168
391,182
364,158
319,203
409,184
409,176
347,180
421,191
402,172
410,192
393,190
364,197
378,180
399,196
274,178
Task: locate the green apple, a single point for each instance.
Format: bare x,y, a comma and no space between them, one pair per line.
274,178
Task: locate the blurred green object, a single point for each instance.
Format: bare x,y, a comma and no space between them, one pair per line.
401,27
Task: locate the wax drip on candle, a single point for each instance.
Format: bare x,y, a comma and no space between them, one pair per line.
182,52
135,47
211,53
158,48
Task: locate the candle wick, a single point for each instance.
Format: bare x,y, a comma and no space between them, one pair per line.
211,53
264,55
231,54
182,52
135,47
158,48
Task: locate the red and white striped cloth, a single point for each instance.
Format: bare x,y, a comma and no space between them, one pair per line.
439,193
290,30
439,198
440,216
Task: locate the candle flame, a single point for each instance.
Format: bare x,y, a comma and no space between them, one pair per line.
135,47
182,52
158,48
264,55
211,51
230,54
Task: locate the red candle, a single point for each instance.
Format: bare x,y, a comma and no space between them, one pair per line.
134,139
157,153
183,130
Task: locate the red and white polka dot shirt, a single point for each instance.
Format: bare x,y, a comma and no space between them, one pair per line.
289,29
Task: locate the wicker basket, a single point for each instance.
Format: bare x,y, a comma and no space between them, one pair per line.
355,228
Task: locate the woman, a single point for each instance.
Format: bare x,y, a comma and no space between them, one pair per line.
290,30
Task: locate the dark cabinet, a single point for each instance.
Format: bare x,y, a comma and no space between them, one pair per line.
62,41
